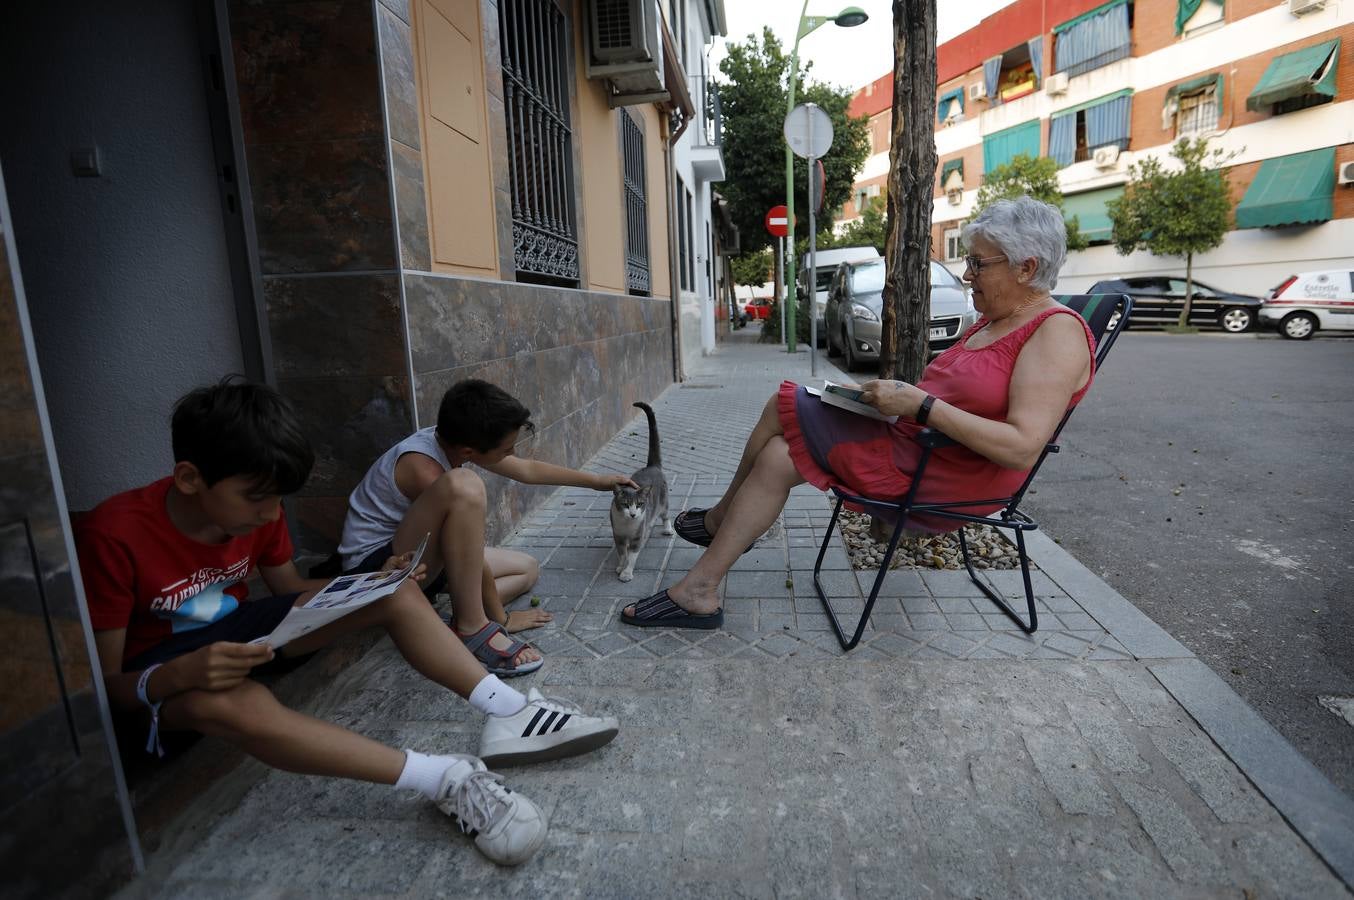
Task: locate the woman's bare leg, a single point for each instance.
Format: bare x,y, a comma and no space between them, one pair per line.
768,427
758,502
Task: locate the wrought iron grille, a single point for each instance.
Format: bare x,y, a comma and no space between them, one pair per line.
536,57
636,207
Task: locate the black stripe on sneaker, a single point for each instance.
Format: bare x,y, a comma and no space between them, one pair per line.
526,732
545,726
560,724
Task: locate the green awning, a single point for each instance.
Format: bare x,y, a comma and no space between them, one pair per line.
948,167
1005,145
1194,84
1184,11
1063,26
1310,70
1089,208
1290,190
946,102
1126,92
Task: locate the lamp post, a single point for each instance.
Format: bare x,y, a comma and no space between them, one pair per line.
849,17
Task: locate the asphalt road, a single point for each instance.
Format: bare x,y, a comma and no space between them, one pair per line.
1208,479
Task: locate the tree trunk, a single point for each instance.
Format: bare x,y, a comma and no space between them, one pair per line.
1189,290
912,175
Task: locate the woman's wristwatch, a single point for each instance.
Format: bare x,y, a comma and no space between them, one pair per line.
924,411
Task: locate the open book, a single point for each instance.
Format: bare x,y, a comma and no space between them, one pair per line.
848,398
343,595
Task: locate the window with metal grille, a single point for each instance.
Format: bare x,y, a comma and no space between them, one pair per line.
636,208
1198,113
683,236
536,60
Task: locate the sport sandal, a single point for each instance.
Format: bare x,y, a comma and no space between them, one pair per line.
498,662
507,827
546,728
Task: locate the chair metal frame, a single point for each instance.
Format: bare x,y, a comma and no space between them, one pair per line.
1107,315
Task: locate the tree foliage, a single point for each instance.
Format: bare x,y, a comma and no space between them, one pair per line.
1180,211
753,268
1035,176
752,96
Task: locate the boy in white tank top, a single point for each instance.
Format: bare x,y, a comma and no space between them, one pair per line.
422,486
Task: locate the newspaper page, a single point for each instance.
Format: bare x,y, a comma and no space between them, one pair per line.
343,595
847,398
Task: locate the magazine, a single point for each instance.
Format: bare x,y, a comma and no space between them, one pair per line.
848,398
343,595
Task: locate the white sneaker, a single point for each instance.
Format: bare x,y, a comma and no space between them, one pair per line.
545,729
507,827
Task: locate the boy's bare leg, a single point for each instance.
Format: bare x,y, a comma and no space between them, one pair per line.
451,511
508,575
249,716
767,427
418,633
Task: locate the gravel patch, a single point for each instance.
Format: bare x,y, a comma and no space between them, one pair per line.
988,547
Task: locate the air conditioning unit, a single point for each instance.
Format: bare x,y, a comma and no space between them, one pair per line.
977,91
1345,173
1056,84
1105,157
1303,7
624,45
954,197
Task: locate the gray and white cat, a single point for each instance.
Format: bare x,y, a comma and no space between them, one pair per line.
633,512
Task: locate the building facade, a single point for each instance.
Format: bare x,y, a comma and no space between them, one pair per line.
1096,86
358,201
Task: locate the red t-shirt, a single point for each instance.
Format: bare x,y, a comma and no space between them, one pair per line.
143,574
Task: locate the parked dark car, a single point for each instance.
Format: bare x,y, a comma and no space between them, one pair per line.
855,306
1157,300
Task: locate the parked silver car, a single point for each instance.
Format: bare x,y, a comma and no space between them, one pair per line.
855,306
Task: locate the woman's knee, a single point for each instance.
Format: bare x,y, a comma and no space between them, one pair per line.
775,461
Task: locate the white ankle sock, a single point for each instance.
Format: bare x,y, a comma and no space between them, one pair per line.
496,698
424,773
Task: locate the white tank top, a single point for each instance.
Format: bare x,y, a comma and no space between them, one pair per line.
376,507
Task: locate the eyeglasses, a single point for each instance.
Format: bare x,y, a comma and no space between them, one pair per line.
975,263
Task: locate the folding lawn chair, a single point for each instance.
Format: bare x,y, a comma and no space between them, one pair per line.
1107,315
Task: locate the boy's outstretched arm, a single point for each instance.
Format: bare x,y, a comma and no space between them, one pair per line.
535,471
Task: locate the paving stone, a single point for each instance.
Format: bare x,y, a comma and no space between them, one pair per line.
928,622
756,584
1212,776
1098,723
896,645
609,643
1065,765
1173,834
919,605
1077,621
971,622
945,583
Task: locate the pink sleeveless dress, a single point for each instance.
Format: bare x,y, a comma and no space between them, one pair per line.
834,448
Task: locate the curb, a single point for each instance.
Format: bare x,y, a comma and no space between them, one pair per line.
1321,814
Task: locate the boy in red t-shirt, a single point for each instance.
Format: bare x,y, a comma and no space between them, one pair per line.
164,569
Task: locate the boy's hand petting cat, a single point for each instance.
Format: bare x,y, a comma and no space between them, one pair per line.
611,482
524,619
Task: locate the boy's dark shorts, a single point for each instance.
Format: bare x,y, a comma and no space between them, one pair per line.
254,619
373,561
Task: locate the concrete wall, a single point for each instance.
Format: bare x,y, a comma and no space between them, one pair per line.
127,273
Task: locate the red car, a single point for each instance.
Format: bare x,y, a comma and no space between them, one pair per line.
758,308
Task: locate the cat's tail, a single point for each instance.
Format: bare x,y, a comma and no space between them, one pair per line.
655,458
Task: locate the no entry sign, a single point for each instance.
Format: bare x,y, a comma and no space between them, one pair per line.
778,221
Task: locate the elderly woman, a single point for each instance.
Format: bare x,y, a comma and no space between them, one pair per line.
999,392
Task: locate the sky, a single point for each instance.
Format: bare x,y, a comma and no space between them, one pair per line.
846,57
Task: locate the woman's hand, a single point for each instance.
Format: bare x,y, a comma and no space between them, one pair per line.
893,398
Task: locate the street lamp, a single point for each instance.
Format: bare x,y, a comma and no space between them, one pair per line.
849,17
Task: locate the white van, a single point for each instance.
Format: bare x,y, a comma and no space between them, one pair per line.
826,262
1312,300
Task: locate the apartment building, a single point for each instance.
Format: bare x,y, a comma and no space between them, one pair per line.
1098,85
358,201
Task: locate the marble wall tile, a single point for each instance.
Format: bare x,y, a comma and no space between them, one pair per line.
350,422
412,208
338,325
20,432
397,63
399,8
507,262
322,206
306,71
316,524
493,51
